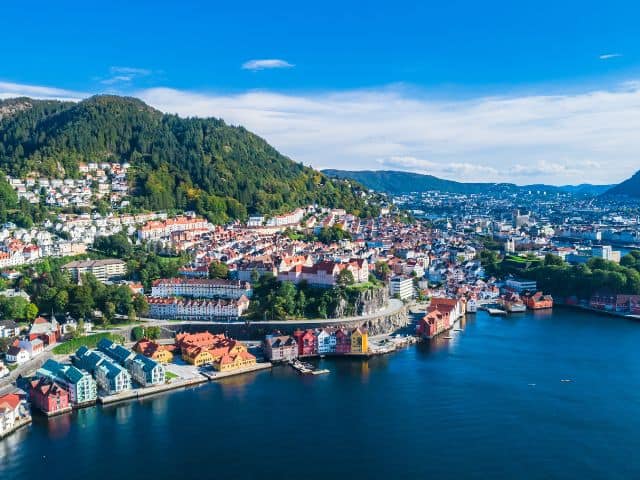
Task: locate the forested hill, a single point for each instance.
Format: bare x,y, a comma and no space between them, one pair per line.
199,164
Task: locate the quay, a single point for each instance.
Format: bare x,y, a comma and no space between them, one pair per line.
214,375
148,391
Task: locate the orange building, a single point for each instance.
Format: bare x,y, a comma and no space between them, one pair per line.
538,301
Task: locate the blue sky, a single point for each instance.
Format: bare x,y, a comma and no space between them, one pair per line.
451,88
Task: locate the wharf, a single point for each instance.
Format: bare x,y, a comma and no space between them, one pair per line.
214,375
147,391
23,422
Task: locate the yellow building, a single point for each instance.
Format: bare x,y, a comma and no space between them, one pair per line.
197,356
359,341
162,356
242,359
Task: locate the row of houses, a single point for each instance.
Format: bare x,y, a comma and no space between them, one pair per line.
201,288
196,309
114,367
321,341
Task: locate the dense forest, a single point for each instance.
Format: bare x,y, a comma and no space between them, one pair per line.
199,164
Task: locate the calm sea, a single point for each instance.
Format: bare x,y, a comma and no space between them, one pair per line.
487,404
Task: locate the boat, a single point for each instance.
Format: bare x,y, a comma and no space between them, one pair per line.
566,380
448,337
496,311
457,329
305,368
517,307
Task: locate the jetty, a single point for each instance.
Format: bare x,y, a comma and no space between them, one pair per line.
305,368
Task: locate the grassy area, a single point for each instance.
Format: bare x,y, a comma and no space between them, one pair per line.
361,287
88,341
170,375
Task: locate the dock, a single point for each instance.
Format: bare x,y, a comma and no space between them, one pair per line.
18,424
307,368
215,375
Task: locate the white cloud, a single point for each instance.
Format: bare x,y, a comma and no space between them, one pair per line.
125,75
10,90
607,56
559,139
266,64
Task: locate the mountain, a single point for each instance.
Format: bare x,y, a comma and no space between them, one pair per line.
630,187
199,164
396,182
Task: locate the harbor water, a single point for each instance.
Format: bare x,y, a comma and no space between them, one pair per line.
543,395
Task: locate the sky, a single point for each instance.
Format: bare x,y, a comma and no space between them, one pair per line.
526,92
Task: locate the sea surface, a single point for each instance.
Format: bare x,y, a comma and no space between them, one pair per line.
487,404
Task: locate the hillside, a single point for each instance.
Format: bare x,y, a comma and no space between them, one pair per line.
630,187
396,182
199,164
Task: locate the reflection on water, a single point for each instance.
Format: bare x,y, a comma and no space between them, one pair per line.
10,445
236,386
59,425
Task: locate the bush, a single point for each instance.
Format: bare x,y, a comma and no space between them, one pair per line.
137,333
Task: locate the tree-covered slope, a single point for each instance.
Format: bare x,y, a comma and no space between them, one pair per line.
177,163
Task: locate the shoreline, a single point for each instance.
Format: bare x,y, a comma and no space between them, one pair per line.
608,313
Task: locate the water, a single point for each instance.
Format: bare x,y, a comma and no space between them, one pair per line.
461,408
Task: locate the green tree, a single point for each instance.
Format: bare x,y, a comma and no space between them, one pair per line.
345,278
218,270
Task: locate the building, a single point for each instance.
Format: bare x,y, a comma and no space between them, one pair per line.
605,252
107,270
239,360
325,341
49,396
147,372
13,410
196,309
538,301
116,352
153,350
9,329
359,341
197,356
401,287
17,355
306,340
110,376
155,230
520,285
201,288
81,386
280,348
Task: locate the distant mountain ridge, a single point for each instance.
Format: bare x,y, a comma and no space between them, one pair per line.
397,182
630,187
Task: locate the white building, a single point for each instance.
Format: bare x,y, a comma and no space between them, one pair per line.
401,286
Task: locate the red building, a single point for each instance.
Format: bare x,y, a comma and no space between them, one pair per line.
343,341
49,397
538,301
306,342
434,322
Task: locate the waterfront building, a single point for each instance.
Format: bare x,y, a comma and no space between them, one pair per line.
4,371
306,342
234,361
325,342
146,371
199,339
13,409
111,377
359,341
105,270
343,341
401,286
280,348
538,301
49,396
81,386
197,356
